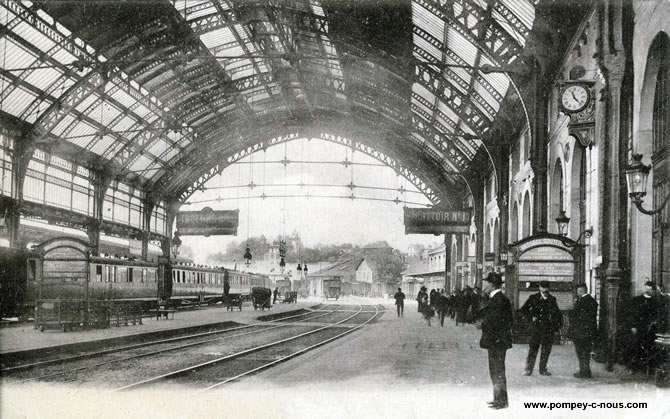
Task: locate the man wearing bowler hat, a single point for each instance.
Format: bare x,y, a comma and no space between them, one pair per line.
496,336
546,319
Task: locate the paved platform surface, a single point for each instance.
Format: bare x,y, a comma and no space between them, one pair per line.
17,338
403,368
393,368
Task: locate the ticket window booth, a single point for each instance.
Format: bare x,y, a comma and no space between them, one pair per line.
533,260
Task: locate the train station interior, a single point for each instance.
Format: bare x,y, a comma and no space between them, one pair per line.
541,126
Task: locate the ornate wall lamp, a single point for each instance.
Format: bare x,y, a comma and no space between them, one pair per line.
637,174
562,221
175,243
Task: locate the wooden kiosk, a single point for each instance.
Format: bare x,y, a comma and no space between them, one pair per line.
538,258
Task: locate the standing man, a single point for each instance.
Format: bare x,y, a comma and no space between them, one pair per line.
497,336
583,329
400,302
646,321
546,319
275,293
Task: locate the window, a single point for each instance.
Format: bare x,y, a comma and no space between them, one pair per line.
98,273
130,274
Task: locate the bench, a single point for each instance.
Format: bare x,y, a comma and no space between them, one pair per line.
165,313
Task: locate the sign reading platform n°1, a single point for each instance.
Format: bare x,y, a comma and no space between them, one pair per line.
436,221
208,222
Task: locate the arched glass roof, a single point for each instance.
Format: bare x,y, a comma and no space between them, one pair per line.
160,94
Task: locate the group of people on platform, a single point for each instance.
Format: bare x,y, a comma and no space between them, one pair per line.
460,306
645,317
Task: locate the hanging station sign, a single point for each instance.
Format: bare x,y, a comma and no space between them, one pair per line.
208,222
436,221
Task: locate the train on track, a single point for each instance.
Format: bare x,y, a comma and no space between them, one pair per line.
62,268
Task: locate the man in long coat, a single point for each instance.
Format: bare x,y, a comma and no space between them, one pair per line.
496,336
546,319
583,329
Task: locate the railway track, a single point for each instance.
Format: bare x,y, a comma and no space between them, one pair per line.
201,339
252,360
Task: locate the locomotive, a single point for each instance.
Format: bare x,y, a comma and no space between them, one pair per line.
62,268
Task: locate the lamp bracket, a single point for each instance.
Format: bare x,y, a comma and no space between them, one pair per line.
638,199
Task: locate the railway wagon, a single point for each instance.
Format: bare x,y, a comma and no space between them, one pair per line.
18,276
62,268
332,288
326,287
197,283
283,286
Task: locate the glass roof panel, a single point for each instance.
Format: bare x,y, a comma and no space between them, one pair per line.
428,47
522,9
101,145
43,77
82,141
140,163
5,15
63,56
158,147
218,37
124,124
82,128
33,36
461,46
63,124
509,28
86,103
17,101
427,21
16,56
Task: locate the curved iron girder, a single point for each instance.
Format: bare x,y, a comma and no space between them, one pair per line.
427,166
458,102
496,43
400,169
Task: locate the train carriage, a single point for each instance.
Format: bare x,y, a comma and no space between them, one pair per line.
62,268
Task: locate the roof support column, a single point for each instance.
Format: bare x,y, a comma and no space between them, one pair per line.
12,208
615,287
448,279
101,182
148,210
538,160
478,200
171,210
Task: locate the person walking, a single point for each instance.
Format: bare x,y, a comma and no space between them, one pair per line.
420,298
546,319
442,303
583,329
400,302
496,336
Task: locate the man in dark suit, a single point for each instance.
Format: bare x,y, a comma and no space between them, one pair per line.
647,319
496,336
546,319
583,329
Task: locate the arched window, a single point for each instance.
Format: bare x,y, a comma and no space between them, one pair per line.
526,227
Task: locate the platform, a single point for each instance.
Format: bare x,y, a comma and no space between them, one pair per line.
25,337
407,369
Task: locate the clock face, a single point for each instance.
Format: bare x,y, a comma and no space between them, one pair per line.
575,98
